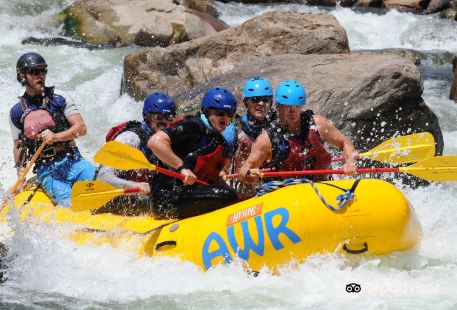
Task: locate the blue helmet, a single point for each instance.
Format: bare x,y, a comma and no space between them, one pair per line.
257,87
291,93
159,103
218,98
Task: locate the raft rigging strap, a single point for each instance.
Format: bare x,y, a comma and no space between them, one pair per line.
343,199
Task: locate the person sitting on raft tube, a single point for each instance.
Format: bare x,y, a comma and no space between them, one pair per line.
298,142
258,99
196,148
159,109
43,116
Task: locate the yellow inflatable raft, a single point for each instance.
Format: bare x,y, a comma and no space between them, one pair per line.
287,224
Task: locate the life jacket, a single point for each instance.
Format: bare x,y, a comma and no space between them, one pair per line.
37,118
144,132
306,151
207,161
250,129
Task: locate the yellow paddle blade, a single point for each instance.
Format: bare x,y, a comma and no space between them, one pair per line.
403,149
439,168
88,195
122,156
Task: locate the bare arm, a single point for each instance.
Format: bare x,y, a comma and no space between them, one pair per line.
160,144
336,138
77,129
260,152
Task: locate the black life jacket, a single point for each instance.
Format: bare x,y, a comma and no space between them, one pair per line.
137,175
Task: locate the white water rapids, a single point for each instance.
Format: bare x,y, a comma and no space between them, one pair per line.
48,271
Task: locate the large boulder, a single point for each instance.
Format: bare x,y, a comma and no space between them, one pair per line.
406,5
438,5
141,22
206,6
369,96
181,67
453,94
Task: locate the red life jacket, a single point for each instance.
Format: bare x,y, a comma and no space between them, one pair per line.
35,121
246,137
209,158
305,151
208,167
308,154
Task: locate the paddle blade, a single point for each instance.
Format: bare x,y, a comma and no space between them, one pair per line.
439,168
88,195
122,156
404,149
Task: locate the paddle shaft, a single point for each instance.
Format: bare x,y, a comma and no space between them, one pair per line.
235,175
176,175
23,175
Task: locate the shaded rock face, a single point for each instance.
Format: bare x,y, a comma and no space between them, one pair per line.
206,6
438,5
369,96
181,67
406,5
453,94
141,22
417,6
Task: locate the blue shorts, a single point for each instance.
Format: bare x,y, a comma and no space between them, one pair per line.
58,177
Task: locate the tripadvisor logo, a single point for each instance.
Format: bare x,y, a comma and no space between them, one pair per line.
353,288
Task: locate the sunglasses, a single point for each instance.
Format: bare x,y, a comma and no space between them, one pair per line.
164,117
37,71
265,99
221,113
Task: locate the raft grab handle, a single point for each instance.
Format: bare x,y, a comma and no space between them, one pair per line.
165,243
359,251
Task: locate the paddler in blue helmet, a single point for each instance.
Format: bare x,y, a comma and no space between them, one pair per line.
159,109
195,148
258,100
40,116
297,141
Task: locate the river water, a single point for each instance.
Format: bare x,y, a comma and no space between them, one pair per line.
47,271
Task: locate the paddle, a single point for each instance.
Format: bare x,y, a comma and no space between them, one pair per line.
402,149
87,195
439,168
23,175
122,156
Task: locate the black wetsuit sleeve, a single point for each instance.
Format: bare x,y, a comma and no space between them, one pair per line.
185,131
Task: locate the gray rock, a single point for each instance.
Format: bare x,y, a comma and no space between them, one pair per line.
438,5
406,5
369,96
181,67
141,22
